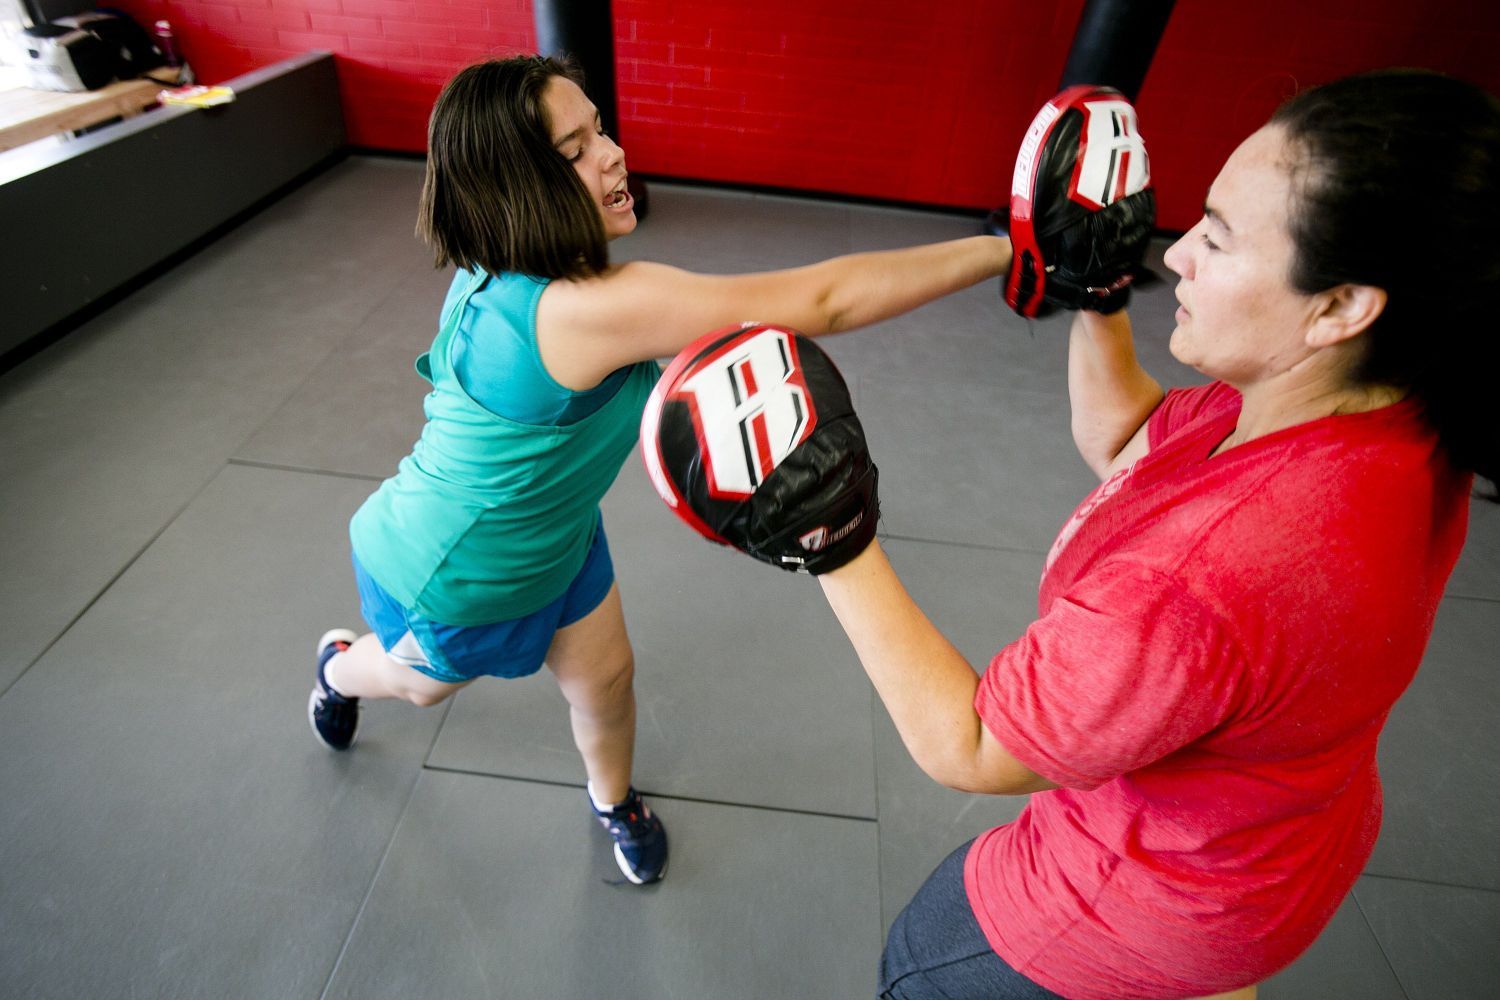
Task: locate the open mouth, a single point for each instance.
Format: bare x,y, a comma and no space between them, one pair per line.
618,198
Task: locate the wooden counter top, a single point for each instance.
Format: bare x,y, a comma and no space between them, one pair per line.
27,115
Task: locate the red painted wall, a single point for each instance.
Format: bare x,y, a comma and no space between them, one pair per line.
914,102
1223,67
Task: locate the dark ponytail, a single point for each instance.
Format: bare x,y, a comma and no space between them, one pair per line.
1398,186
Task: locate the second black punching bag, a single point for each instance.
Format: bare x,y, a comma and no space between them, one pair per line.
1113,46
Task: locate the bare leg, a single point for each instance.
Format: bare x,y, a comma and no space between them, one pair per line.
595,668
1248,993
365,671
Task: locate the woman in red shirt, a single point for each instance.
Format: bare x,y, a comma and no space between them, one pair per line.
1224,624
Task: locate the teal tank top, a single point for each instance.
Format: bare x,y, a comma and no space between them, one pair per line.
505,374
489,518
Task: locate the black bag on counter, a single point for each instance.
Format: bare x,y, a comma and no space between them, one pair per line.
132,50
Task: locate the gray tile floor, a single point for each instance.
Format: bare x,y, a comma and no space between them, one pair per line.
178,475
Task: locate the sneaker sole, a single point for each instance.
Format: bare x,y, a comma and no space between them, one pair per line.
632,876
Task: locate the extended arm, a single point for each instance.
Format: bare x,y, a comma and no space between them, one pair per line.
642,310
926,684
1110,393
816,511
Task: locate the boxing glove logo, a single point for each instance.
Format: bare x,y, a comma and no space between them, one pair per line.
750,407
1112,160
1081,205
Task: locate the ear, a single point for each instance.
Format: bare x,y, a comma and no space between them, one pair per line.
1346,312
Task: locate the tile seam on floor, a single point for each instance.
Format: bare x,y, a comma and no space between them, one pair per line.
112,581
312,373
370,888
984,546
1477,598
304,470
1427,881
653,794
1359,907
437,731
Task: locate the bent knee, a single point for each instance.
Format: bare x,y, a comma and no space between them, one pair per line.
425,698
406,682
424,691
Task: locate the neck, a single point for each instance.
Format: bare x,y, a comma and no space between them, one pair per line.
1270,407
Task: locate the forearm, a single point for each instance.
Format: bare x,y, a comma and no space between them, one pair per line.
924,681
1110,393
866,288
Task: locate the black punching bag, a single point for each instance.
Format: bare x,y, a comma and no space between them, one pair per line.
585,31
1113,47
1115,42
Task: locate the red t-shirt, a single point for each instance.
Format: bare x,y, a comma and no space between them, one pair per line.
1218,644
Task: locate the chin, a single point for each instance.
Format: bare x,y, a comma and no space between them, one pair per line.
620,226
1174,345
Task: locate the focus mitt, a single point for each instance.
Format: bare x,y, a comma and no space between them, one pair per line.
1081,205
750,438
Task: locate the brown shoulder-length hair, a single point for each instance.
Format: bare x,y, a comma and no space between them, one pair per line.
497,196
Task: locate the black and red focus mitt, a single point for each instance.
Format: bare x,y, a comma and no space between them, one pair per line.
750,437
1081,205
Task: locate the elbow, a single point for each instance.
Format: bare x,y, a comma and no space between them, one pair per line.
835,316
833,307
964,782
980,766
968,777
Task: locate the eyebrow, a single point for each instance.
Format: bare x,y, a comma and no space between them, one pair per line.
1213,216
558,145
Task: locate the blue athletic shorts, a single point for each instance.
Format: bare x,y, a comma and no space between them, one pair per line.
515,648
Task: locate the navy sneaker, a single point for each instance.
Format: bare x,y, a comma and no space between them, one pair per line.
334,717
640,840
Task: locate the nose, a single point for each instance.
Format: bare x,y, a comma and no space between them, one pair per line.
1179,256
610,151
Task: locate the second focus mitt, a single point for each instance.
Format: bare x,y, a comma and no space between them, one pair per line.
750,437
1081,205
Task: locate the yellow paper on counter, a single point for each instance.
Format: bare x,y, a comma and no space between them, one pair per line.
197,96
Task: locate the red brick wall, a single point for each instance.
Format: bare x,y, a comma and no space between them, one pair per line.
917,102
393,55
1223,66
921,102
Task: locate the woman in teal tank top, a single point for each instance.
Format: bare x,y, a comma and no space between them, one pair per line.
485,555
